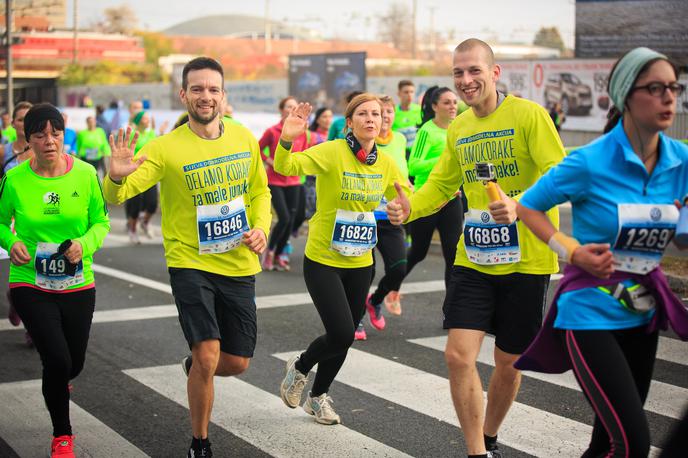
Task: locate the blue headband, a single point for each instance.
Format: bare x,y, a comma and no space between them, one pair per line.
626,72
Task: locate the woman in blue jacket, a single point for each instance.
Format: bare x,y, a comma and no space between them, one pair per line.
624,189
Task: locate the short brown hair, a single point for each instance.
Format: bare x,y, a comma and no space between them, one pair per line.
284,101
24,105
386,100
473,43
358,101
403,83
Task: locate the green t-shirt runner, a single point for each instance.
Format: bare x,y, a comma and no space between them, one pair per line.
9,134
406,122
427,148
92,145
49,211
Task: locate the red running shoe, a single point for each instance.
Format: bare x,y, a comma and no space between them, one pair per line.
375,314
62,447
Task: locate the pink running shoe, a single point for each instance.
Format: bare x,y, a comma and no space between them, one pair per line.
269,260
360,333
62,447
375,314
283,263
393,302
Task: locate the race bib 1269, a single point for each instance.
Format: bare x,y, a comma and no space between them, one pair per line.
645,230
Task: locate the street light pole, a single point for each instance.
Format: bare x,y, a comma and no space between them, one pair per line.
8,59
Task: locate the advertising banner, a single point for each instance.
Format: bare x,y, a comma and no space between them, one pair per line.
579,86
326,79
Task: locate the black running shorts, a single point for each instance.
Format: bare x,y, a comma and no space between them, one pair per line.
213,306
508,306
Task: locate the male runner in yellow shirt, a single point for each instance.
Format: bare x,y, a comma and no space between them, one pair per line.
501,272
215,206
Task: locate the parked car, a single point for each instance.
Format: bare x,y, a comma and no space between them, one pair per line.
574,96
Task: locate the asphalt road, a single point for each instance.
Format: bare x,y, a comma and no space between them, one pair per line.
392,393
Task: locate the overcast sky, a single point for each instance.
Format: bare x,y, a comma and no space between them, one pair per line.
509,20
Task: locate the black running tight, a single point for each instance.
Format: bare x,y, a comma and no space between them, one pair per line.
449,223
614,370
59,325
339,296
285,200
391,243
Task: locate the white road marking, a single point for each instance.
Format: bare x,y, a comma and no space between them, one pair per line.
261,418
662,398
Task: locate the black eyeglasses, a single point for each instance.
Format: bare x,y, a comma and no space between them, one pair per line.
658,89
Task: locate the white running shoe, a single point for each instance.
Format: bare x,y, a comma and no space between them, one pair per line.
134,238
147,230
293,384
321,408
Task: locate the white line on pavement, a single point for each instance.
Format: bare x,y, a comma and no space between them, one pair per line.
27,429
662,398
262,419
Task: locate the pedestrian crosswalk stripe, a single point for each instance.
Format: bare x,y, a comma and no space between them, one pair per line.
27,429
526,428
166,311
673,350
661,398
261,418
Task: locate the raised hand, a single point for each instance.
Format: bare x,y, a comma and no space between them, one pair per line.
122,163
503,211
399,208
594,258
296,122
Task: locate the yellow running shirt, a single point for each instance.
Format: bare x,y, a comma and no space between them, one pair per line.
193,172
522,143
343,183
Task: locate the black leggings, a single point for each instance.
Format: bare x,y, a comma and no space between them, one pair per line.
449,222
285,199
392,246
147,202
614,369
59,325
300,215
339,296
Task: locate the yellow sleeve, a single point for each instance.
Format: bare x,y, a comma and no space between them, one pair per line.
444,180
543,141
313,161
148,174
259,193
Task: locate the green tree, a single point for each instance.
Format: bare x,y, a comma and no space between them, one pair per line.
156,45
549,37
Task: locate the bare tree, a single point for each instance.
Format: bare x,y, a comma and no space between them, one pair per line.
396,26
119,19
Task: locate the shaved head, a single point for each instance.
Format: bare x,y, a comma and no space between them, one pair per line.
474,43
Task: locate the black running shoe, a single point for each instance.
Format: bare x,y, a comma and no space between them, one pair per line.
202,451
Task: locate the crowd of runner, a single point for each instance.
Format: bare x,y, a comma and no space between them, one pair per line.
484,169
